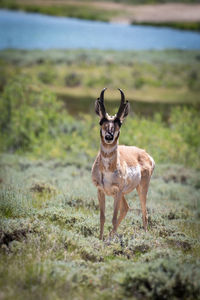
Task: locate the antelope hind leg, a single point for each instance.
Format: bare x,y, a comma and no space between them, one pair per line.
119,204
142,190
124,208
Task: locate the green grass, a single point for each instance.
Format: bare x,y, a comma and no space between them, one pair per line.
195,26
99,57
146,76
87,12
34,122
49,241
49,214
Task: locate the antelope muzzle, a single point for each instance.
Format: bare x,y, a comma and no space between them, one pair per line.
109,137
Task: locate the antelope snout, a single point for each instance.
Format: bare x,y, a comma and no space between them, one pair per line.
109,137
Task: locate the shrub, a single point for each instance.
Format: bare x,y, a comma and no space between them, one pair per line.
27,115
139,82
193,80
3,76
15,203
47,76
185,121
72,79
163,279
98,81
32,119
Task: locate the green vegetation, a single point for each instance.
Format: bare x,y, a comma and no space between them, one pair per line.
177,25
49,235
151,76
49,215
80,11
33,120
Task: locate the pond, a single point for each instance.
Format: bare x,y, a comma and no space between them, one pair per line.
35,31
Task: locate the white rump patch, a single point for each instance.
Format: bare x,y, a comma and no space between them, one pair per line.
152,161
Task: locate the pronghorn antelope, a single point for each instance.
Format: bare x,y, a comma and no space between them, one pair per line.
119,169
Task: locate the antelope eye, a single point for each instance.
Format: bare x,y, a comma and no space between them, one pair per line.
117,121
102,121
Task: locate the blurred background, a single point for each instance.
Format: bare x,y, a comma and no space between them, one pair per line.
64,52
55,58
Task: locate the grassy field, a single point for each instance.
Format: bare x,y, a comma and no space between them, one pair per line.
32,79
149,76
49,215
50,226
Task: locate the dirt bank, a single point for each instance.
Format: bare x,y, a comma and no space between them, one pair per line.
158,13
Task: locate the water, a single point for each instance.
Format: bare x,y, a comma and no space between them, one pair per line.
35,31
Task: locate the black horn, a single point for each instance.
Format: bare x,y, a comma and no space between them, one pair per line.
124,107
99,105
122,96
101,99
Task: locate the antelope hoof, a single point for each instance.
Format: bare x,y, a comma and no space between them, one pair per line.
145,227
112,234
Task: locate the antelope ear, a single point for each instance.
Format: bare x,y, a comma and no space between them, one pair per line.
117,120
102,121
97,107
125,111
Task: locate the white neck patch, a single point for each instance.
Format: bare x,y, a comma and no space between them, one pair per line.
109,149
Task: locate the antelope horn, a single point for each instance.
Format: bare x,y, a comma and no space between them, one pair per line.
101,99
100,102
123,105
122,96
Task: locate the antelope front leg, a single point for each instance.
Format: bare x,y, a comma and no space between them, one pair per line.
101,198
117,200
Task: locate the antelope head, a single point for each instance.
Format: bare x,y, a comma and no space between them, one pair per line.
110,125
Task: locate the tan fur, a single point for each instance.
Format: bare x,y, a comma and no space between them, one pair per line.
121,158
118,170
135,156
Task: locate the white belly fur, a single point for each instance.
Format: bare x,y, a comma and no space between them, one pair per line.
108,181
132,178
